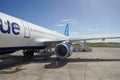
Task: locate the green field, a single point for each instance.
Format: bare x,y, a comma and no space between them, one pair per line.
101,44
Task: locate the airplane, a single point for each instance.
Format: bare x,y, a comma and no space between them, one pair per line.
17,34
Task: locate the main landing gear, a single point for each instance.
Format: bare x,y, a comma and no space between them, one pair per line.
28,53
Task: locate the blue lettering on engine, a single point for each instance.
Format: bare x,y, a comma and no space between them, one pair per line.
11,28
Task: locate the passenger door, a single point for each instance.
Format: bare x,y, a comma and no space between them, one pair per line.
26,30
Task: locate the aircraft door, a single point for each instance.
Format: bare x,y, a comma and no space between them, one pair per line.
26,30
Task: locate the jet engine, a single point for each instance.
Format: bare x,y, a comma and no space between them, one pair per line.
63,50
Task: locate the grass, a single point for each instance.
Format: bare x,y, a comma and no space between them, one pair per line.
103,44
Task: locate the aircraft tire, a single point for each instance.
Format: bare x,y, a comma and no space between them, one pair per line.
27,53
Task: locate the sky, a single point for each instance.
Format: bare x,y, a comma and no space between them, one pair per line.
86,17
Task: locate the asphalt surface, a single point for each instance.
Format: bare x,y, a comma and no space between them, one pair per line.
100,64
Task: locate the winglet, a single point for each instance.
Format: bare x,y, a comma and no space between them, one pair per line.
66,33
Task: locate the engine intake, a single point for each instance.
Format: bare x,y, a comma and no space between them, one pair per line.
63,50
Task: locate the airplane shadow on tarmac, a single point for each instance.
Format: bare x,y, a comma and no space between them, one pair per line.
8,61
63,62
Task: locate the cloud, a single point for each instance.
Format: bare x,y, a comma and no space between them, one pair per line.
73,22
63,22
94,29
75,34
70,21
60,25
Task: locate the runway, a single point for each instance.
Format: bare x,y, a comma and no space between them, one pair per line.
100,64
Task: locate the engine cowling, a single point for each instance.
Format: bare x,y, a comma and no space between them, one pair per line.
63,50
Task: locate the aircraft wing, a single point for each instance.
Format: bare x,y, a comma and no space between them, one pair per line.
94,38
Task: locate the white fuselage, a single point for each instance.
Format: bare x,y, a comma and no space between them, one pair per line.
15,32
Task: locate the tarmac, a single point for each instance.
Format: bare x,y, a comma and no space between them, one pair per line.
100,64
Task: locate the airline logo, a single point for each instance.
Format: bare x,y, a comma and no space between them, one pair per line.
12,27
